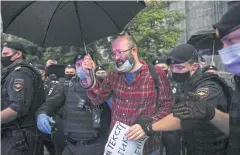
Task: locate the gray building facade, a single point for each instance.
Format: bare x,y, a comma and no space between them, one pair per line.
199,15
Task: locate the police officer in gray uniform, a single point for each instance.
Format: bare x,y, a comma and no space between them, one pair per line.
85,126
228,30
22,94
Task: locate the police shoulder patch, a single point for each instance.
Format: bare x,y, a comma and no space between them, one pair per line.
203,92
18,84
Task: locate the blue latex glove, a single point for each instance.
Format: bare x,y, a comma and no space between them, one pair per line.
43,123
81,74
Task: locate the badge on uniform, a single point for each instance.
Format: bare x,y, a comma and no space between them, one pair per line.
18,84
203,92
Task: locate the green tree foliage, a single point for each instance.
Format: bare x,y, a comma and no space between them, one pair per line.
102,50
155,29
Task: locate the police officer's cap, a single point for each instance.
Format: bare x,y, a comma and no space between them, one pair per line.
16,45
229,22
159,60
71,66
78,57
98,68
182,53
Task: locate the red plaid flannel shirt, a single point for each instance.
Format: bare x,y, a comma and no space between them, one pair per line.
136,99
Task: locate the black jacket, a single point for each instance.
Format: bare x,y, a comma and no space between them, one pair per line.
202,136
234,146
57,98
22,91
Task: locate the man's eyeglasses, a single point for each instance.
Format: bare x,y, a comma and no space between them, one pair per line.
113,55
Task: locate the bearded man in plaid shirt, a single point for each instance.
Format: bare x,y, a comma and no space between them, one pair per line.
133,92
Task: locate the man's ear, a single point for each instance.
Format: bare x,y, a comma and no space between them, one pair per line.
19,54
135,51
195,66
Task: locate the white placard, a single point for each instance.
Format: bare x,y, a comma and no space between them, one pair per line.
117,143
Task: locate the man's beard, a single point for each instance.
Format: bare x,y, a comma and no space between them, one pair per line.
127,65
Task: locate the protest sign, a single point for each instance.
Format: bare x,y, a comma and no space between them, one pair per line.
118,144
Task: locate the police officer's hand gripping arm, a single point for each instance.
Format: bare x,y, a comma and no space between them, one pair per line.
142,126
20,93
189,110
203,111
54,101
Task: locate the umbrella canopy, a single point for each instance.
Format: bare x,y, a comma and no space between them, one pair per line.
205,40
64,23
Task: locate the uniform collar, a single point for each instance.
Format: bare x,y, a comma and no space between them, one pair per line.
15,65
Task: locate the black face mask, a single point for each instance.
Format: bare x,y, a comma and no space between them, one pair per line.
6,61
100,78
180,77
69,76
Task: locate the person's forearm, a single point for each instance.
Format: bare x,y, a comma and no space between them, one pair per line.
7,115
168,123
221,121
51,106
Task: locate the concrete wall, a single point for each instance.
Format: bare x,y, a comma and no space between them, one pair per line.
199,15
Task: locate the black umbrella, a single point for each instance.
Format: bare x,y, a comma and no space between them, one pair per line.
63,23
206,40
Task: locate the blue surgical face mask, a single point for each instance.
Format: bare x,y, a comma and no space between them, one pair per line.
127,65
81,74
231,58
